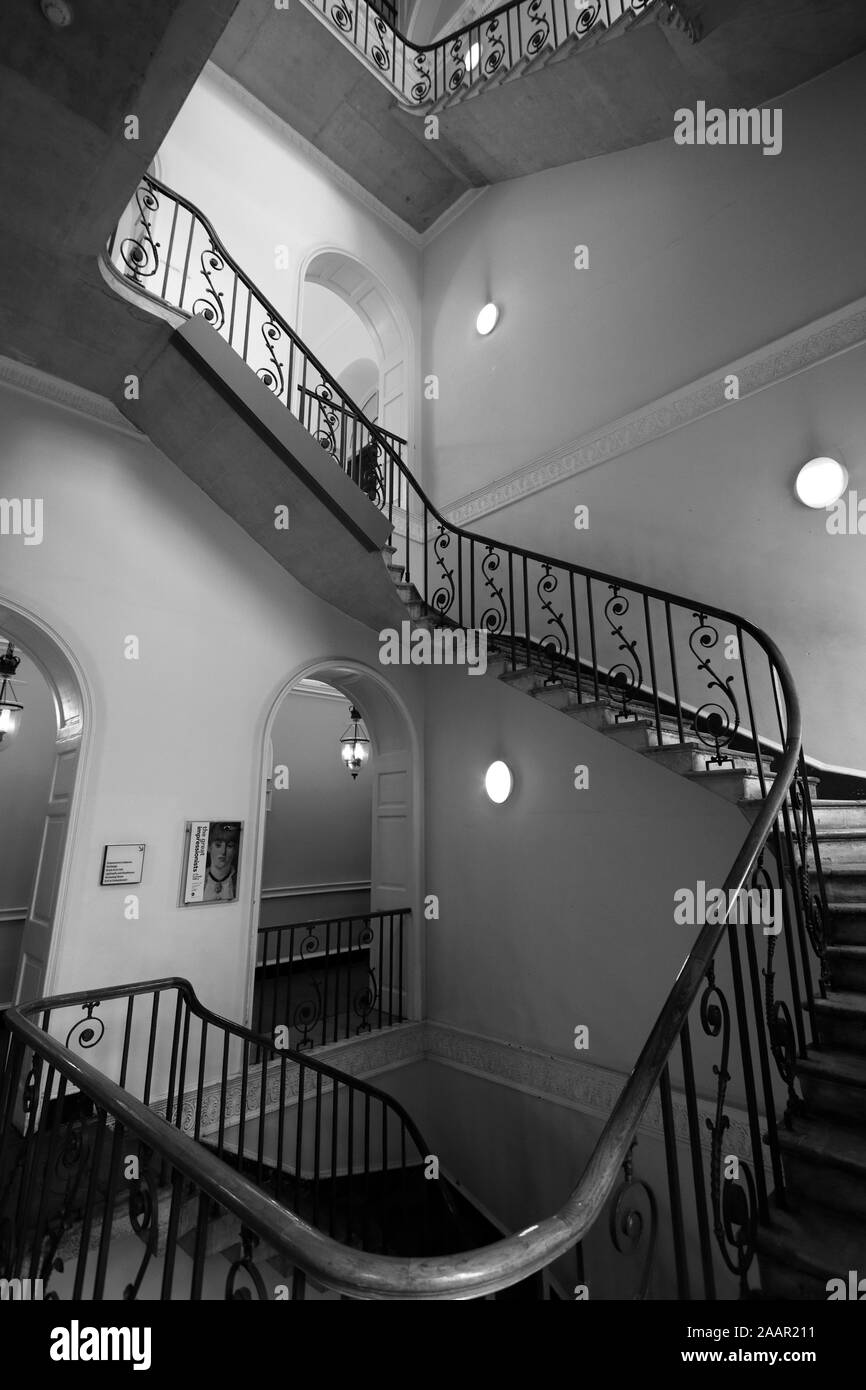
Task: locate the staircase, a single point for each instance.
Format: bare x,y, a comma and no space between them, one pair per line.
699,691
818,1226
818,1232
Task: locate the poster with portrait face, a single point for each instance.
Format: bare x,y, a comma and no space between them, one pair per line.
213,849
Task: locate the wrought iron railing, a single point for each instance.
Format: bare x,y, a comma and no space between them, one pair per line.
137,1115
332,978
697,678
460,63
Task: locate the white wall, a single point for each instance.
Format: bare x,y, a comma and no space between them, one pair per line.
131,547
260,191
696,256
318,833
710,512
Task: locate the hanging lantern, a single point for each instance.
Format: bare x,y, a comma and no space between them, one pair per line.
355,744
10,706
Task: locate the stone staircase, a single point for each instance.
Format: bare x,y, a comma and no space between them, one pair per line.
549,56
818,1225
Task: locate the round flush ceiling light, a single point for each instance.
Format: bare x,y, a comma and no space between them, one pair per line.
57,12
473,57
498,782
487,319
821,482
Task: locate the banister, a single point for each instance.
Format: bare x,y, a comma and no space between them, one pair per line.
491,1268
502,1263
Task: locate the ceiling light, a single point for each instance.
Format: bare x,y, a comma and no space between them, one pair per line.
57,12
10,706
487,319
354,744
498,782
821,482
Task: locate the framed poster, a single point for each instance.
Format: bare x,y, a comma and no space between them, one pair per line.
122,864
211,861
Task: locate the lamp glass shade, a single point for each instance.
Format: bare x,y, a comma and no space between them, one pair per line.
821,482
487,319
10,721
498,782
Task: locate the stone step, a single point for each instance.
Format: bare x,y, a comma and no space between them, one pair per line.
846,923
846,883
841,845
847,966
841,1018
733,784
801,1250
834,1084
558,697
830,814
825,1164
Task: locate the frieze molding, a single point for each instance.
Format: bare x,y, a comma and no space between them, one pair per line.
808,347
22,376
575,1084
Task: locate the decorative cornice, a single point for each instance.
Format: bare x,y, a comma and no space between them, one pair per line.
21,376
306,890
349,185
807,347
12,914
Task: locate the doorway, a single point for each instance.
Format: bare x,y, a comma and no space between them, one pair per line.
348,853
40,776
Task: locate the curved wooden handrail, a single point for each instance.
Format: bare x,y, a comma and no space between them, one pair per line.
475,1273
494,1267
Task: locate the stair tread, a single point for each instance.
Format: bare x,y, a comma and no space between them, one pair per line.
817,1242
835,1064
842,1002
823,1141
852,952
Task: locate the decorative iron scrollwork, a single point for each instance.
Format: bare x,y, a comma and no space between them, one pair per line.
555,643
444,596
420,90
714,725
458,74
364,1001
92,1030
734,1200
306,1016
625,677
381,56
245,1264
811,903
143,1206
495,56
272,376
493,618
633,1215
342,16
541,33
140,254
327,420
210,304
587,17
780,1025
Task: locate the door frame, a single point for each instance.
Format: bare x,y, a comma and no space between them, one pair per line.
388,723
73,707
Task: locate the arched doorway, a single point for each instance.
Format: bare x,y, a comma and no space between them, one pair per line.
394,816
41,928
352,323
